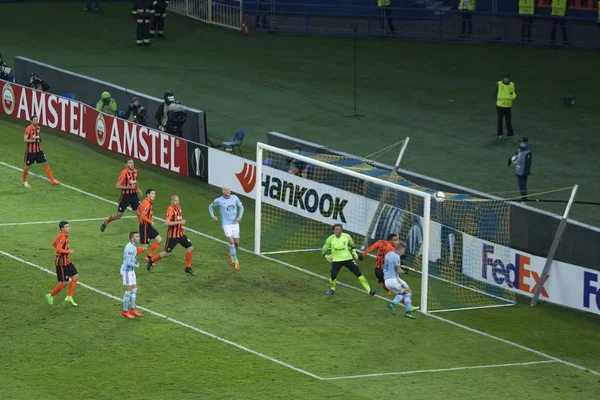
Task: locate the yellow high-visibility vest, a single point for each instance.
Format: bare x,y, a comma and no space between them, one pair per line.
383,3
526,7
470,5
559,8
506,94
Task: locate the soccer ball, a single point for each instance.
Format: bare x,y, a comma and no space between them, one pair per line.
439,196
513,159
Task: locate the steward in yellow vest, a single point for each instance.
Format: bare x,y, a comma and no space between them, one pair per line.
559,9
385,12
466,8
526,11
505,94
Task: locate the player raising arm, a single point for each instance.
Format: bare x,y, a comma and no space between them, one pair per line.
129,280
34,153
130,193
231,211
343,254
391,268
64,268
175,236
383,247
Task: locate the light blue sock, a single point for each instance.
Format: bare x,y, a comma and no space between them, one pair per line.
407,302
233,252
397,299
126,301
133,294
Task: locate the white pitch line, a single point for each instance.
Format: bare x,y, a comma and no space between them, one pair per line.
339,283
56,222
156,314
422,371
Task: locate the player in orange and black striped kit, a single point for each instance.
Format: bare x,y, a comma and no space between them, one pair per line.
175,236
64,268
383,247
147,231
130,193
34,153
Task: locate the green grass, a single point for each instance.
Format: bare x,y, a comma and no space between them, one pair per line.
439,94
267,307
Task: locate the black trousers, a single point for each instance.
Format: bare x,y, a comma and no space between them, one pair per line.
143,27
467,23
157,26
350,264
563,25
386,12
263,10
505,113
522,186
526,24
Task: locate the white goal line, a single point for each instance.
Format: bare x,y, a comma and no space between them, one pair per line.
286,264
56,222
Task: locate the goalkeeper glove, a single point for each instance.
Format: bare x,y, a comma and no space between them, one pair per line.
328,257
357,256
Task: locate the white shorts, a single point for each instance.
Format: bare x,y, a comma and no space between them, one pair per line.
128,277
396,285
232,230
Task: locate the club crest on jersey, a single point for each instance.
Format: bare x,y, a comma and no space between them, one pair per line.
230,207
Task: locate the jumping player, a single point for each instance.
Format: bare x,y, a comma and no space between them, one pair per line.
175,236
34,153
64,268
130,193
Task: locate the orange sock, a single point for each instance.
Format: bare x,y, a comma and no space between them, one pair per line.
139,250
157,257
57,289
188,259
49,172
25,173
153,249
72,285
107,221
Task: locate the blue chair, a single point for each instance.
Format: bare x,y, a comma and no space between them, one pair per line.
237,141
68,95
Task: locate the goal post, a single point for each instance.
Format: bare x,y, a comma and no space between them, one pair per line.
455,248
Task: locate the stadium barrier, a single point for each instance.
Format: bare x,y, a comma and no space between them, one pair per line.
531,230
88,90
567,285
149,145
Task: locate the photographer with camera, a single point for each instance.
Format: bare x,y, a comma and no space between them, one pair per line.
170,115
107,104
133,109
5,71
35,82
140,117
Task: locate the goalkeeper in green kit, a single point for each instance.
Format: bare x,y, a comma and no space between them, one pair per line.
343,254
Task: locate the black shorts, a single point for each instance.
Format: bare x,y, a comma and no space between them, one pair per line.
37,157
173,242
127,200
64,273
350,264
379,275
147,232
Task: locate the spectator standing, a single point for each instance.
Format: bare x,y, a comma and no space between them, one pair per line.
505,94
467,8
385,11
526,11
559,10
107,104
522,161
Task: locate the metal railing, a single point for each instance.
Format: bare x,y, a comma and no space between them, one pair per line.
224,13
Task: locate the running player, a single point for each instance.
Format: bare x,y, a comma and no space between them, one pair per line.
383,247
343,254
64,268
34,153
130,193
175,236
129,279
147,231
231,211
391,269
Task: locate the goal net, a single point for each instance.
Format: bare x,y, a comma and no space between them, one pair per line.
457,249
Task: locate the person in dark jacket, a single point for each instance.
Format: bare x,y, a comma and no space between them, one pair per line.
5,71
35,82
522,162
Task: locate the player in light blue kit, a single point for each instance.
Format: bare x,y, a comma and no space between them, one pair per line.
128,274
391,269
231,211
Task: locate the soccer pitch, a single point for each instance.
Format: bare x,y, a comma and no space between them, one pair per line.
266,331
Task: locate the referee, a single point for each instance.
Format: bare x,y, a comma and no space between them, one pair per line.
505,95
343,254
